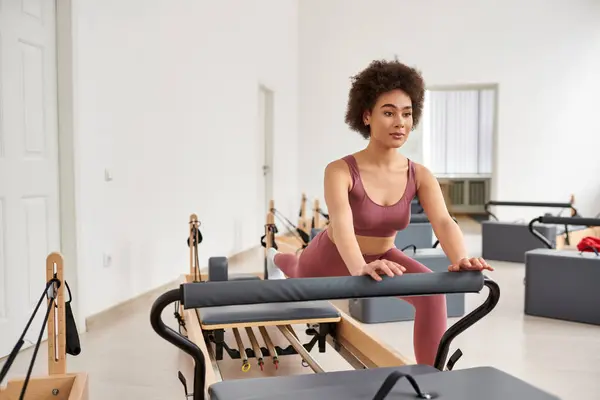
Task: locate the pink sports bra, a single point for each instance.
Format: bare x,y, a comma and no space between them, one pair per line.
372,219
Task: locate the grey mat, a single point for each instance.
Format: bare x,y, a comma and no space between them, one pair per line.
468,384
508,241
311,310
562,284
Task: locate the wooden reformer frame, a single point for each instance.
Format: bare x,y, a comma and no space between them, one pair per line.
344,334
58,384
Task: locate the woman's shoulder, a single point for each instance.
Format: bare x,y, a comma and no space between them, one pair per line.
422,174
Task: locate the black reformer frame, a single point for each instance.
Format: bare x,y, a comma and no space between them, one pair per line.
589,222
533,204
212,294
527,204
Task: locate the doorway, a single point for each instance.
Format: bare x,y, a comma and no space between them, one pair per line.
29,164
265,150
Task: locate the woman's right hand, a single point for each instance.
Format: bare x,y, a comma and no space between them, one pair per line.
378,267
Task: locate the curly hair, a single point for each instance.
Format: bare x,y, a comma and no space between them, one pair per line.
378,78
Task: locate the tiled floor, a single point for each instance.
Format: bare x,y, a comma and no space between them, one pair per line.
127,360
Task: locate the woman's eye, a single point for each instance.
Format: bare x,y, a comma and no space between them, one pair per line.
406,115
388,113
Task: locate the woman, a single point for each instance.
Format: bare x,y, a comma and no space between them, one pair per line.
368,196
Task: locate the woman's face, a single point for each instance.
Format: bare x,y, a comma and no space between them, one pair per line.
391,119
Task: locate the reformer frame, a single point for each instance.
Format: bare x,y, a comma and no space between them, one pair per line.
562,239
344,334
369,350
592,228
58,384
355,349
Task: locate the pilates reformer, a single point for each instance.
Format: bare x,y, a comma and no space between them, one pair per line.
213,325
377,373
562,283
509,240
209,327
63,339
297,235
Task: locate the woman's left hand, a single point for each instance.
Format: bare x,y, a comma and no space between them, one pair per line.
470,264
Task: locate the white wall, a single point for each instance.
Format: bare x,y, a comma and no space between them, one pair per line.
166,98
544,54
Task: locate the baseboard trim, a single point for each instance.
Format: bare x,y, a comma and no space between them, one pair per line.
125,308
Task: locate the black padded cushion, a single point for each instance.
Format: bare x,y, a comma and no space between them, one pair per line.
471,384
228,293
310,310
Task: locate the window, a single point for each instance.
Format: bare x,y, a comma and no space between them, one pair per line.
458,127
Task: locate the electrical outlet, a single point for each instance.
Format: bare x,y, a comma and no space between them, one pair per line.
106,260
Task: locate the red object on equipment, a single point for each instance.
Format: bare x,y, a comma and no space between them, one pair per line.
589,243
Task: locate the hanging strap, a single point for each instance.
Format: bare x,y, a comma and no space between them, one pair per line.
390,382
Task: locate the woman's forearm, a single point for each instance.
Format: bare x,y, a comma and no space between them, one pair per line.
451,239
349,250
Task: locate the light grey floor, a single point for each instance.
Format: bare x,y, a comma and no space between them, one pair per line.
127,360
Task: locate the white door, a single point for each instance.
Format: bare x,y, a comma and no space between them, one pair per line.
29,207
265,150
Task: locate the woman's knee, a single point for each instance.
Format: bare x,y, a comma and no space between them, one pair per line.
412,266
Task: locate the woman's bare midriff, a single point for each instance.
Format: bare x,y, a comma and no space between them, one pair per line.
369,245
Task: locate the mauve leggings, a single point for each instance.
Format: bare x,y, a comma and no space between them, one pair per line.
321,259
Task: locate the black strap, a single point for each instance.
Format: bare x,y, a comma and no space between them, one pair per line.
390,382
272,229
408,247
291,228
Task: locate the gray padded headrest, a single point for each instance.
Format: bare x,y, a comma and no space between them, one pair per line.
211,294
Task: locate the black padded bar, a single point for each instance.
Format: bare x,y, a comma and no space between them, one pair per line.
212,294
528,204
569,221
559,221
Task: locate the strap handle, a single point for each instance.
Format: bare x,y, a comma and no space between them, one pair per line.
390,382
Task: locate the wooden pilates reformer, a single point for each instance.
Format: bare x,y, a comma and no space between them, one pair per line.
298,238
58,384
342,333
207,329
269,337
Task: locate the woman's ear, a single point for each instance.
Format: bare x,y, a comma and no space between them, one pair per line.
366,118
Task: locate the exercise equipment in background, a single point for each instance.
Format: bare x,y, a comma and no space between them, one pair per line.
418,233
295,238
509,240
62,339
562,283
